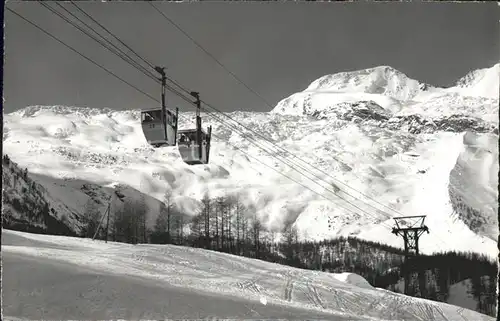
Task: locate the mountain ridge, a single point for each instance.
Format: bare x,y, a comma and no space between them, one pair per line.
391,89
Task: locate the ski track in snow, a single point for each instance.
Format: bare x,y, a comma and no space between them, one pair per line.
334,296
288,288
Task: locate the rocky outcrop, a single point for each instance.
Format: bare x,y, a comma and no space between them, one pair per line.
369,111
417,124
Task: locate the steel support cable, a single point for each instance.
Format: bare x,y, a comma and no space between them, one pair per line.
151,75
307,163
320,178
234,128
120,55
291,166
106,29
138,65
208,53
254,142
211,114
80,54
132,62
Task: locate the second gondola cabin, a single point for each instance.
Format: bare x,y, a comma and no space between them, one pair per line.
194,145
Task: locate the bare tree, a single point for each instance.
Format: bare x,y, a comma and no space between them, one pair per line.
179,226
255,232
245,241
238,214
166,213
206,211
272,241
167,198
165,221
222,212
160,227
229,219
216,215
290,236
141,211
196,229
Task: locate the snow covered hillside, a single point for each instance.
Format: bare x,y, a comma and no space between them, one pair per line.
27,203
481,82
410,146
186,283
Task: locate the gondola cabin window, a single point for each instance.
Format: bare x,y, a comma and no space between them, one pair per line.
146,118
170,118
156,114
152,116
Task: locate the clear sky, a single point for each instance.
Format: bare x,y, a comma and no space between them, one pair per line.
275,48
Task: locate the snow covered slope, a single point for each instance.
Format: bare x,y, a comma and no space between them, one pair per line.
390,138
28,203
267,290
473,183
480,83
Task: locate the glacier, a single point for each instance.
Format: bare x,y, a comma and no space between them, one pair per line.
379,144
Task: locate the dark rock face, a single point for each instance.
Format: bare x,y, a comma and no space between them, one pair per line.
369,111
417,124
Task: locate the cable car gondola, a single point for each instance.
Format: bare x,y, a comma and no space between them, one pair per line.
160,128
194,144
159,125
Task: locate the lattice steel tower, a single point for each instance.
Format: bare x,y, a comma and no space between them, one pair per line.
410,228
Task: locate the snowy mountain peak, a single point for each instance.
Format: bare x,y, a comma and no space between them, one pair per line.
398,94
481,82
377,80
475,76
